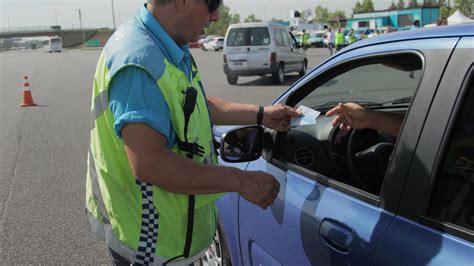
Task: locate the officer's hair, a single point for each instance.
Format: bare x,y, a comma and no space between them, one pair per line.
158,2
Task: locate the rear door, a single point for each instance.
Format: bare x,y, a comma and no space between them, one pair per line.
259,52
298,54
248,48
237,48
283,48
436,221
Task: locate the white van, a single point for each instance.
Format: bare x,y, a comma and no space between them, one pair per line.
53,44
260,48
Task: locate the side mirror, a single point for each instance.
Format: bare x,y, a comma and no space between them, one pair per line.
244,144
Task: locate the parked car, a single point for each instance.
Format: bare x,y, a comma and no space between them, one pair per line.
215,43
362,197
316,39
260,48
383,30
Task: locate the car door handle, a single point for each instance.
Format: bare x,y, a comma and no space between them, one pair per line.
336,235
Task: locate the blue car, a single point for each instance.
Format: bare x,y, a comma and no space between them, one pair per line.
363,197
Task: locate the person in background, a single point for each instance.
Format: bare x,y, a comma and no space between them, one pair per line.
352,38
416,24
339,39
305,40
152,178
330,37
443,21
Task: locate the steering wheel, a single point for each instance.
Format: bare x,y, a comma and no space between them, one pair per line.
367,159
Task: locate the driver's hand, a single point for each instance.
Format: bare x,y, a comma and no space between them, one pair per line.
350,115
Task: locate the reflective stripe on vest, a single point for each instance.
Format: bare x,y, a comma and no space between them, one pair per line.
130,211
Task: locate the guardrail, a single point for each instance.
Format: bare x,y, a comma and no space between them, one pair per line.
40,29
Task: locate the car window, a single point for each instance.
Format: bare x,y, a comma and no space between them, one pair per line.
259,36
292,40
256,36
237,37
367,84
453,195
286,38
356,158
278,37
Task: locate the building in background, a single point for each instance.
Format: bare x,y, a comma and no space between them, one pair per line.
400,19
303,20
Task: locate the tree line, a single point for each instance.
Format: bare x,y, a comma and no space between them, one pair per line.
323,15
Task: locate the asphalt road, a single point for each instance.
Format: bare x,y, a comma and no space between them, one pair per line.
44,148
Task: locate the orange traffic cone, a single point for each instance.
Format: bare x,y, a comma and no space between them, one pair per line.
27,97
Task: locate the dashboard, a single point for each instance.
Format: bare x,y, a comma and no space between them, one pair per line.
330,151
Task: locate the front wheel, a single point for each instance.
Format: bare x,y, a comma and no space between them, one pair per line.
217,253
304,68
232,80
279,75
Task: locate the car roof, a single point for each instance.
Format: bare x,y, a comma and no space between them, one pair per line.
421,33
257,24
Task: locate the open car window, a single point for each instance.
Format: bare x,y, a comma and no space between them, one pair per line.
358,158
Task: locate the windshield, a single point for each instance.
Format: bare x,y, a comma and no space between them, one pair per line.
55,40
373,85
248,36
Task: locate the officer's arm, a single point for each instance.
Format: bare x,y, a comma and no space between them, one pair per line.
152,162
229,113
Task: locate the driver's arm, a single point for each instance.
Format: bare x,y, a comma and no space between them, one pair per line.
352,115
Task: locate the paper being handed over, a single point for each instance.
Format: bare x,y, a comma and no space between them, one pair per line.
309,117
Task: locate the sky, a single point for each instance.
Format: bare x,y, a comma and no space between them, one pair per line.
16,14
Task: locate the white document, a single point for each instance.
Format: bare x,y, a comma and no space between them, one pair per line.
309,117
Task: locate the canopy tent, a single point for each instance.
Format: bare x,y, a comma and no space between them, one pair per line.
458,18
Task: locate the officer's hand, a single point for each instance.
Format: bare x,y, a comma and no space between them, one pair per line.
278,116
259,188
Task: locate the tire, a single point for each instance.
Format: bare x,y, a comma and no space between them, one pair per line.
232,80
279,75
302,72
217,253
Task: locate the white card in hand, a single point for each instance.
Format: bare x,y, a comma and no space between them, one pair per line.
309,116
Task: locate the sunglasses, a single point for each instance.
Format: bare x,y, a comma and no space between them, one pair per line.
213,5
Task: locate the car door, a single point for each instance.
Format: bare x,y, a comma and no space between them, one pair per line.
236,49
298,55
436,221
259,49
320,220
282,48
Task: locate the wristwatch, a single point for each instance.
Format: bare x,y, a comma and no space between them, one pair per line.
260,115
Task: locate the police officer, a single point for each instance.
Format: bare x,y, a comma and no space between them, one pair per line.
305,39
352,38
152,177
339,39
